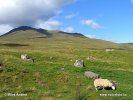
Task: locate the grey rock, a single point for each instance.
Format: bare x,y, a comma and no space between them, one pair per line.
79,63
50,57
91,75
62,69
24,56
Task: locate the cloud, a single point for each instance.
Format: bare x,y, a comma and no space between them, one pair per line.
50,24
70,16
4,29
27,12
69,29
90,23
90,36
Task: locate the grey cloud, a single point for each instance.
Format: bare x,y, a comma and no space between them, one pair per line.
28,12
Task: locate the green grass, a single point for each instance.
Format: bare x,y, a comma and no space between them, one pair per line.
45,79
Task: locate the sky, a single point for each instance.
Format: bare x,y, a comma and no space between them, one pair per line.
110,20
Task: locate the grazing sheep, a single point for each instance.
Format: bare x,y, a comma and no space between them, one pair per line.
91,75
103,83
114,82
79,63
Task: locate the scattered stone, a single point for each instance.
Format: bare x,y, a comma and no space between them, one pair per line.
25,57
50,57
79,63
62,69
109,50
91,75
89,58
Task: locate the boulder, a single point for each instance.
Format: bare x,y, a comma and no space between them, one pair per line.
79,63
91,75
24,56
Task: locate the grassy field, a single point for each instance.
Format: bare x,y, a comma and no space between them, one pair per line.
53,77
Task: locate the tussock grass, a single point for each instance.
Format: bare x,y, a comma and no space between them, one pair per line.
53,77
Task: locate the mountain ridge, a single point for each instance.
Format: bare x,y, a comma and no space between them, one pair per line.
26,34
40,30
25,28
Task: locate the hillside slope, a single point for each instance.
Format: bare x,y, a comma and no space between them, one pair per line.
52,75
28,35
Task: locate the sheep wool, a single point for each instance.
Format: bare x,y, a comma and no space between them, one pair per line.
103,83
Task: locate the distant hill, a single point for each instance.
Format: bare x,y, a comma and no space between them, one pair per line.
26,34
130,43
26,28
73,34
41,32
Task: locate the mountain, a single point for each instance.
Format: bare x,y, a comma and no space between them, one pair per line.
73,34
130,43
29,35
27,28
41,33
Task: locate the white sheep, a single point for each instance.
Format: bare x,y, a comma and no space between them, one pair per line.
104,83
